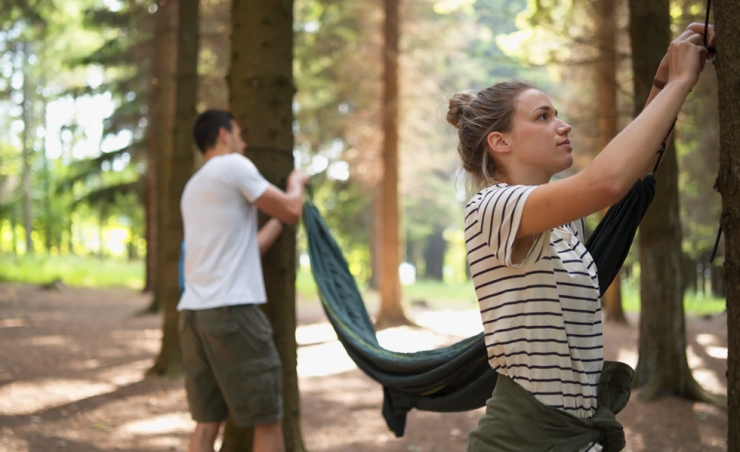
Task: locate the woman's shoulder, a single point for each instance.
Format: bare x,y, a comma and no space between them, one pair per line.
511,196
485,193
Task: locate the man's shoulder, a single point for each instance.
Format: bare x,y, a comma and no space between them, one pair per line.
236,163
225,166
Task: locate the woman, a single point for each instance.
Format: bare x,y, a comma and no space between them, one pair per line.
536,283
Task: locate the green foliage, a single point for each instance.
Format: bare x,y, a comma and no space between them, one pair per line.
694,304
72,270
461,295
447,46
697,132
46,54
33,13
87,48
344,206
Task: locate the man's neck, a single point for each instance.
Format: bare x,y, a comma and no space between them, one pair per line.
216,151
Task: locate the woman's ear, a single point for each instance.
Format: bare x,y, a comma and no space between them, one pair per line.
498,143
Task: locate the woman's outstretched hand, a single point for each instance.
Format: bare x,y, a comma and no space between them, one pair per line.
686,58
695,28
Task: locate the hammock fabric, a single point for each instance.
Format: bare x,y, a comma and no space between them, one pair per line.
454,378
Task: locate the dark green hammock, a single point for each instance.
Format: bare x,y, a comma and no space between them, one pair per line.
454,378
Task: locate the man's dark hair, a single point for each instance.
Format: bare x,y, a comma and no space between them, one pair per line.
207,126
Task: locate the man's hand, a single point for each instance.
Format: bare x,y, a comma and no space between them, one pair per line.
285,205
268,234
298,177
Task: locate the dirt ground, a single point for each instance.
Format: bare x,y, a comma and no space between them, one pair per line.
72,364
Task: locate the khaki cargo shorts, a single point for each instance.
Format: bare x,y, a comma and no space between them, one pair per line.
231,365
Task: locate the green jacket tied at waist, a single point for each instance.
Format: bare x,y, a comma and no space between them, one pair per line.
515,421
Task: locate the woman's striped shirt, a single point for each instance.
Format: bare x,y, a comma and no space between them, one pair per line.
541,316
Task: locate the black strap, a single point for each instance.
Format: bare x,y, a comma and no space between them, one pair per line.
716,245
661,151
710,49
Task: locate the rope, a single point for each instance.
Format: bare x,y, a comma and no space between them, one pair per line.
710,49
662,147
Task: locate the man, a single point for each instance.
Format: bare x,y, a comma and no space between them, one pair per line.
230,361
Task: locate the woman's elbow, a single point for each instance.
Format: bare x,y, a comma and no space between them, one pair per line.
613,190
606,189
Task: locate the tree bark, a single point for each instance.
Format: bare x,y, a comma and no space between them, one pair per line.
66,158
727,14
434,254
605,71
26,148
181,168
48,232
101,227
150,216
376,239
70,237
261,90
13,234
160,136
662,368
391,310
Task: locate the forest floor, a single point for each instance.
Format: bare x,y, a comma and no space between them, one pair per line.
72,364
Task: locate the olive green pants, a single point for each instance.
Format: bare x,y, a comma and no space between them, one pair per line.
515,421
231,365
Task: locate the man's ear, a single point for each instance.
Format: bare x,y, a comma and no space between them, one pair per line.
223,135
498,143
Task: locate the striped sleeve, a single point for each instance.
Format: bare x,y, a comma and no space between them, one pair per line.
579,228
499,215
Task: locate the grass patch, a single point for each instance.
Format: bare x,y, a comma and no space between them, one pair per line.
305,286
88,271
437,294
441,295
80,271
694,304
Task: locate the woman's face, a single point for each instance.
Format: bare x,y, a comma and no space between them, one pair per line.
539,139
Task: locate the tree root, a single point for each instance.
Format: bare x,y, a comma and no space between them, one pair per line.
656,389
385,322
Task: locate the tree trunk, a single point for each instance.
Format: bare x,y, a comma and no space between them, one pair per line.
434,255
101,226
260,81
160,136
727,15
48,229
157,138
662,368
391,310
181,168
376,239
26,147
13,234
718,281
688,274
605,71
71,235
150,215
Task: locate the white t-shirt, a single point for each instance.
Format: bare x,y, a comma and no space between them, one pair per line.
542,316
222,258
